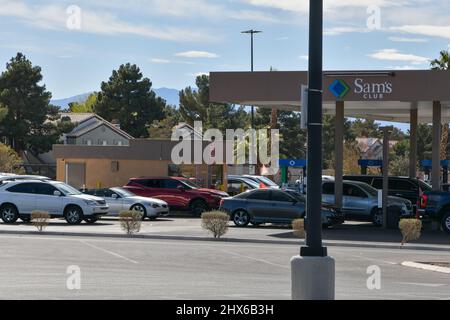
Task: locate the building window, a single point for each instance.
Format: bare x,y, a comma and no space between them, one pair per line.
114,166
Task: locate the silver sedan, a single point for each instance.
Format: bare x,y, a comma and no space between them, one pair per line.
120,199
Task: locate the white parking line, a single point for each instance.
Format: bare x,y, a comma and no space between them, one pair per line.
256,259
109,252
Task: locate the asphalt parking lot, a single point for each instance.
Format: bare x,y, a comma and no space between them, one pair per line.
35,267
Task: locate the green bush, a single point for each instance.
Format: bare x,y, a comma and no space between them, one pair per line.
298,226
130,221
216,222
40,219
411,229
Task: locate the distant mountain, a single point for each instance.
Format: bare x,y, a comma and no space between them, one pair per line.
64,103
170,95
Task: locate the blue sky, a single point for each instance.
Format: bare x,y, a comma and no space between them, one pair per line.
174,40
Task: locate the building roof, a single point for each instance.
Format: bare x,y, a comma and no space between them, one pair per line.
90,122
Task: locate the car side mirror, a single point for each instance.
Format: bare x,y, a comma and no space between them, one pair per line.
57,193
181,188
114,196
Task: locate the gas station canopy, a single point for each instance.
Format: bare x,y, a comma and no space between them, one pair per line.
376,95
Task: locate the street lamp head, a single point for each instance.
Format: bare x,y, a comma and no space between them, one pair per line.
251,31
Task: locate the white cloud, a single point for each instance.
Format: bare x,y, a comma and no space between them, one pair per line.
404,39
402,68
342,30
160,61
197,74
303,5
197,54
395,55
54,17
425,30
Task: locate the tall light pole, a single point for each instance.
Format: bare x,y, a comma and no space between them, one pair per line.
313,272
252,33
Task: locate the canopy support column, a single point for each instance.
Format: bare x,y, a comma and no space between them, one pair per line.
339,153
436,158
413,141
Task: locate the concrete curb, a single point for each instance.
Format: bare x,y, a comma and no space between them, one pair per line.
424,266
330,243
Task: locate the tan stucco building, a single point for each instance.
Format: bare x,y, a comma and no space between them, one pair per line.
112,166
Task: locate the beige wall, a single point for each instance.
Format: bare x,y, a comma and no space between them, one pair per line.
98,171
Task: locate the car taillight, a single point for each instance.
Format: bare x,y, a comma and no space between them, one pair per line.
423,201
221,202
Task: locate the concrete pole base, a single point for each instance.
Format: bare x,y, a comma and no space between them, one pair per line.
313,278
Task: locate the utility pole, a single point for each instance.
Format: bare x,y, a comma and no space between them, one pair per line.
252,33
313,272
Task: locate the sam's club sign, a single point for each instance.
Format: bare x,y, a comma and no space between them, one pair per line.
367,90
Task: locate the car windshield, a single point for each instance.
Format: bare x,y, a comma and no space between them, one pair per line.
190,184
122,192
267,181
424,186
67,190
298,196
369,189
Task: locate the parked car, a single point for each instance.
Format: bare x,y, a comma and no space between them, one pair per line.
19,198
403,187
12,176
360,201
179,193
272,206
238,184
260,179
120,199
435,207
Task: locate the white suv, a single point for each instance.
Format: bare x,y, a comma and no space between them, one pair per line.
19,198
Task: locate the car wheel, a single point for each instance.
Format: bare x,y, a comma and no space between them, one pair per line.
140,208
73,215
446,222
241,218
91,220
198,207
26,219
377,217
9,213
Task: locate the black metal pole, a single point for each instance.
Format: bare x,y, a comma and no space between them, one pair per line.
314,172
253,108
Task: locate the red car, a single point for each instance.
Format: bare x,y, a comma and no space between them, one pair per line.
179,193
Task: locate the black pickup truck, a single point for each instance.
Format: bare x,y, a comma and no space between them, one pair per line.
435,206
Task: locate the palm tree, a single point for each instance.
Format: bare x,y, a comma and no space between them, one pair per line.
443,63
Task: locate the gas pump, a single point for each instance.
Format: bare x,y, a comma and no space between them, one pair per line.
285,164
426,166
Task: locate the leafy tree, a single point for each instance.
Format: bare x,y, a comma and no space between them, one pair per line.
401,149
129,98
363,128
328,133
9,160
424,141
443,63
195,106
162,129
399,165
86,106
30,122
352,155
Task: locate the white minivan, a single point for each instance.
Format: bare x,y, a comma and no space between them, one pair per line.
19,198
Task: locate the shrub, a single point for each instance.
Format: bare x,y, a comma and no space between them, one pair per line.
216,222
130,221
411,229
40,219
298,226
